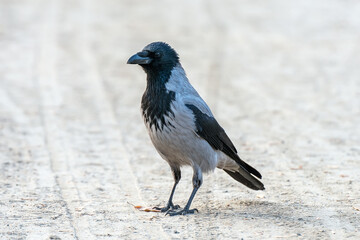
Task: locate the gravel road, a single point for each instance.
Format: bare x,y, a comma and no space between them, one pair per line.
282,77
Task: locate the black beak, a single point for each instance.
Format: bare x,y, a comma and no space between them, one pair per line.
138,59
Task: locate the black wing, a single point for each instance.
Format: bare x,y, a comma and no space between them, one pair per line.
210,130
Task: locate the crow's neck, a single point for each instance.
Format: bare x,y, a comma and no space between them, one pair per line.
156,101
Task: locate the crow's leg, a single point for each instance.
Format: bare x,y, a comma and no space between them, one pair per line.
197,181
170,205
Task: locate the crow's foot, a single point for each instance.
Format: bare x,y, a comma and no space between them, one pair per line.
168,207
181,212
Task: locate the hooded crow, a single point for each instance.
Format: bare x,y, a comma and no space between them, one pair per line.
182,127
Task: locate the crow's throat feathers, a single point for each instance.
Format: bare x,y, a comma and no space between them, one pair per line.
156,100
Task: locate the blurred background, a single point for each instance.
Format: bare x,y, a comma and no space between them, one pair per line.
282,77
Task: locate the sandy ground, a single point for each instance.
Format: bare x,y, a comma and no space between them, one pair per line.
282,79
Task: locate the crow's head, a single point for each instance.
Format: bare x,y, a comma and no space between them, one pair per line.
156,57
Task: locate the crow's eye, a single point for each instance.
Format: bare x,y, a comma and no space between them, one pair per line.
157,54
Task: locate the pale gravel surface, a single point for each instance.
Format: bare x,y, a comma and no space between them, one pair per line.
282,78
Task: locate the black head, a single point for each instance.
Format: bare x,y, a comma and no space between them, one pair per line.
156,57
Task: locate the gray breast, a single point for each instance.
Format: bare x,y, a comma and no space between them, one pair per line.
178,144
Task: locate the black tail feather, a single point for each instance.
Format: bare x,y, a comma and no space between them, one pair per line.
238,177
249,168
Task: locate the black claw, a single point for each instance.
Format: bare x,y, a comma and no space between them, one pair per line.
161,209
169,207
181,212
